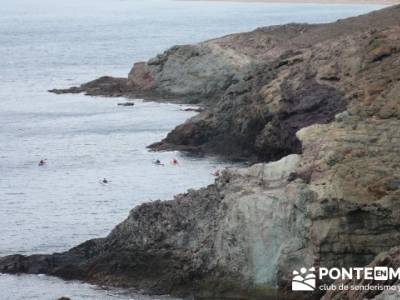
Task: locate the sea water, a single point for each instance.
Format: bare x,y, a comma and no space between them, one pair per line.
48,44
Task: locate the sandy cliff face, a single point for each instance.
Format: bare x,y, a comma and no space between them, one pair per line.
323,100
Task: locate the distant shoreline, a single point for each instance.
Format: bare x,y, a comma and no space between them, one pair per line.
350,2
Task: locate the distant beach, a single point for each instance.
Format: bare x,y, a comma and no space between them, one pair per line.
377,2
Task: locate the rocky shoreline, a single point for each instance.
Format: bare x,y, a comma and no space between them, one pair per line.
318,107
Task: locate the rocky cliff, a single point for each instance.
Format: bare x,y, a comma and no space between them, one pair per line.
291,76
223,240
323,102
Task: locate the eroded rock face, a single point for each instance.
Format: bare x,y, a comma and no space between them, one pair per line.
259,113
390,259
352,168
334,100
335,205
260,87
196,72
229,235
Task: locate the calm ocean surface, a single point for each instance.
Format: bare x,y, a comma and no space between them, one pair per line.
58,43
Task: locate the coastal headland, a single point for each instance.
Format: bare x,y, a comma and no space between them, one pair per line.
316,108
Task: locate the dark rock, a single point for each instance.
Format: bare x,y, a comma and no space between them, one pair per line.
104,86
194,109
126,104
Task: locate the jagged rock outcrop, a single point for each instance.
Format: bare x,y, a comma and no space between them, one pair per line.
103,86
390,259
291,76
220,240
326,98
258,117
335,205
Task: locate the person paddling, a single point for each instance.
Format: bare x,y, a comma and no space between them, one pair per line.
175,162
158,162
42,162
104,181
